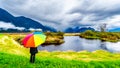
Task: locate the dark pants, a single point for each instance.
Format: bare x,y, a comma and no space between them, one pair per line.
32,58
33,51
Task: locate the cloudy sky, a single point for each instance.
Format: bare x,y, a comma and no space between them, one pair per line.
61,14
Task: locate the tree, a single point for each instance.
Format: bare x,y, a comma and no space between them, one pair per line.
103,27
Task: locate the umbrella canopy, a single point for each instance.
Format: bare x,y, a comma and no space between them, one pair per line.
34,39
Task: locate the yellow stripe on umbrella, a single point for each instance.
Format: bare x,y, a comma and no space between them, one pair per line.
34,39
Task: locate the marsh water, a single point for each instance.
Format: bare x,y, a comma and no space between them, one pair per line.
75,43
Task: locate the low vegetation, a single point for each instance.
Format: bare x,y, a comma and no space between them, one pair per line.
54,38
104,36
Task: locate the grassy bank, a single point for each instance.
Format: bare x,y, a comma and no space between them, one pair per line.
104,36
54,38
51,38
13,55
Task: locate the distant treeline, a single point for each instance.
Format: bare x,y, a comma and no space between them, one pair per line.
13,30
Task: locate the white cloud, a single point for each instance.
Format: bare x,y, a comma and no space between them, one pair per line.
66,13
113,22
32,29
9,25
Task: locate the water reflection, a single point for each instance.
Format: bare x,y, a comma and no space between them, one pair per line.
113,47
76,43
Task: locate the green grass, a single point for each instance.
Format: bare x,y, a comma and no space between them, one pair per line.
13,55
15,61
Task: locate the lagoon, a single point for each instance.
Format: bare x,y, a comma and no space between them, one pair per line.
75,43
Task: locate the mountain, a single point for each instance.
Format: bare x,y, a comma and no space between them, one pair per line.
114,30
5,16
22,21
78,29
50,29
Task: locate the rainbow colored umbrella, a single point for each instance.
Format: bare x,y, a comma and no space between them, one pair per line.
34,39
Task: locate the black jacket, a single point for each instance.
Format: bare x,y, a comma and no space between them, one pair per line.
33,50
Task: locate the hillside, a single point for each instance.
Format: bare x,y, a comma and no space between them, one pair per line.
114,30
9,45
